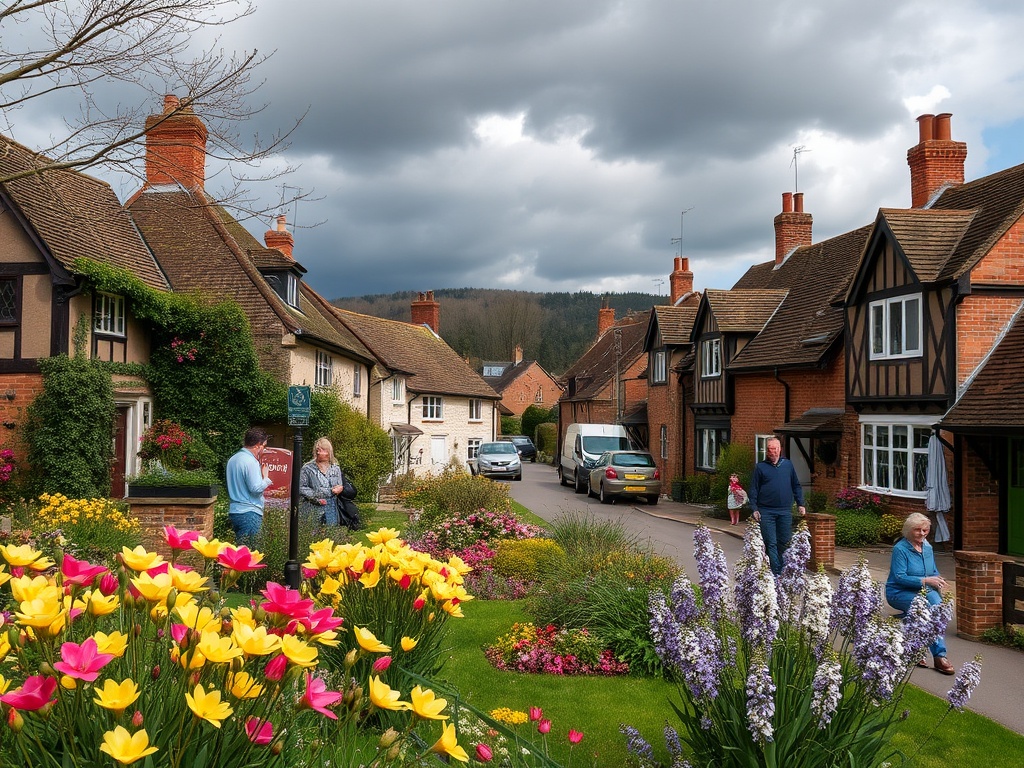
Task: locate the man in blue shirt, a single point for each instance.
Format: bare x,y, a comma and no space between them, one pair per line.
246,481
773,489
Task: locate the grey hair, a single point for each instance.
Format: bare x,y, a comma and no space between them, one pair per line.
913,520
323,442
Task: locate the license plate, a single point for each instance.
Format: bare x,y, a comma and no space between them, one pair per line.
634,477
634,489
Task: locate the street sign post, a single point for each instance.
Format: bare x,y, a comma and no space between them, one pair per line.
298,417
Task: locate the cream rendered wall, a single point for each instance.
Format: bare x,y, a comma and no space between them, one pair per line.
456,428
303,372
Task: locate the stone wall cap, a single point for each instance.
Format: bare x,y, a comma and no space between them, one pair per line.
969,556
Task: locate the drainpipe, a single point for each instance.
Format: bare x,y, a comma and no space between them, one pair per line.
785,386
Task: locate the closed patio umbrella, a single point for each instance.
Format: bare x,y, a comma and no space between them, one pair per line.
937,486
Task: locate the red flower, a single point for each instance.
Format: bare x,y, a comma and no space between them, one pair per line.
483,753
79,572
381,664
179,539
261,733
575,737
239,559
318,698
544,726
275,668
536,713
34,694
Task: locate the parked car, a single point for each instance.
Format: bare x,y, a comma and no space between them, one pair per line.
499,459
582,446
625,473
523,444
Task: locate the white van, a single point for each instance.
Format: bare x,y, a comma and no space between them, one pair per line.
582,446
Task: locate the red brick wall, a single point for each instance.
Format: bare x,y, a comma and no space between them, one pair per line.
980,320
25,387
979,593
522,393
980,529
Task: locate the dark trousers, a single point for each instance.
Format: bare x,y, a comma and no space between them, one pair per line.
776,530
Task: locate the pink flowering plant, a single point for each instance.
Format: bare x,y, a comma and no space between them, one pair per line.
859,500
553,651
786,671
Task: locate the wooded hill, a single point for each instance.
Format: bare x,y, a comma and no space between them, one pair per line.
486,324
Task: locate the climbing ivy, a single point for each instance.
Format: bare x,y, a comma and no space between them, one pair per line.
203,367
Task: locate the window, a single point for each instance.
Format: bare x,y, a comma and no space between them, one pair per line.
432,409
494,370
291,283
709,445
397,390
896,327
472,447
894,457
357,380
664,441
539,397
761,446
658,367
475,410
324,376
108,315
711,355
8,301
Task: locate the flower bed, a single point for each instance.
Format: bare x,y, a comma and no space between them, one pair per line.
553,651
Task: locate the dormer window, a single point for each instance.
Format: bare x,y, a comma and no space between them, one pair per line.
896,327
494,370
711,358
285,285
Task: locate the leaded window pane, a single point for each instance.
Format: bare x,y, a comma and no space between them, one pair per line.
8,302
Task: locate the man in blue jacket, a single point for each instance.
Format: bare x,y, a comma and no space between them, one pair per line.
773,489
247,479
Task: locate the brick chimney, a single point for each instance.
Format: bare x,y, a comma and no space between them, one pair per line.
280,238
605,317
175,146
681,279
426,311
792,226
517,355
936,161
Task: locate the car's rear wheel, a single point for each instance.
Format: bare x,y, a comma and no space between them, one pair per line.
578,485
652,499
605,498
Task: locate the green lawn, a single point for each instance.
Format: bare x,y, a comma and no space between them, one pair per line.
597,705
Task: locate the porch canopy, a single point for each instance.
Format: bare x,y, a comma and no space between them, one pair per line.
816,422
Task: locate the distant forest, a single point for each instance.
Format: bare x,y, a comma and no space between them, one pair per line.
486,324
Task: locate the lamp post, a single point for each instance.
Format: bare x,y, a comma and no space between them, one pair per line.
298,417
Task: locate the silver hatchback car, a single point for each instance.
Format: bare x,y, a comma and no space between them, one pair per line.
498,460
625,473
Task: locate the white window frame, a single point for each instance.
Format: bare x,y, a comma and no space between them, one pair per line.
473,447
433,408
357,380
711,358
539,397
658,372
875,457
109,314
476,409
761,446
397,390
291,288
323,376
664,441
707,447
891,323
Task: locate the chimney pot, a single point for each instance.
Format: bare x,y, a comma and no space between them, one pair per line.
941,128
681,280
798,202
280,238
936,161
793,227
282,223
171,103
787,202
925,127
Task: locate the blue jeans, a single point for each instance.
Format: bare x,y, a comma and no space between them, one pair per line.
246,526
776,530
901,600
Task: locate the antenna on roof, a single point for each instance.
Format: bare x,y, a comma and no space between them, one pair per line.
797,151
294,201
679,239
658,281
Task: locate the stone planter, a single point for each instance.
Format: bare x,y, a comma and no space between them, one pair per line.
172,491
193,512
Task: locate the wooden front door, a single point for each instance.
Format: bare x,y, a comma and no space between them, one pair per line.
117,465
1015,498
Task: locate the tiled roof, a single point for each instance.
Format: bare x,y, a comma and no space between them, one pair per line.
511,373
596,367
434,367
994,399
927,237
807,324
744,310
675,323
203,248
75,215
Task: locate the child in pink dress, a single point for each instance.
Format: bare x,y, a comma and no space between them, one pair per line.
736,499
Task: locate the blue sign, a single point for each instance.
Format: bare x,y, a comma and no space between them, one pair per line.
298,406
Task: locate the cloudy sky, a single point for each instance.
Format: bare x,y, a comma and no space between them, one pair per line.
554,144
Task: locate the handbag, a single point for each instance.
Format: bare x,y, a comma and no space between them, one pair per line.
348,510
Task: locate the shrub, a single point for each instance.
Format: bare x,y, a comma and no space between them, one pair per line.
92,529
511,425
524,559
174,447
451,535
584,536
553,651
533,417
857,529
891,527
816,501
1007,635
547,439
453,492
861,501
697,488
363,450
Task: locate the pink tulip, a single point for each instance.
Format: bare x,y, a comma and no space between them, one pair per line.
82,661
109,584
239,559
418,604
483,753
137,719
575,737
309,573
179,632
318,698
156,570
275,668
544,726
381,664
34,694
261,733
286,602
179,539
79,572
321,621
536,713
406,581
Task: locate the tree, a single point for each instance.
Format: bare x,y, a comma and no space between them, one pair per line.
105,54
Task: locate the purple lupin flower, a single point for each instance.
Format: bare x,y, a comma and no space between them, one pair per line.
664,631
817,614
760,700
673,744
918,629
942,614
826,690
757,605
712,572
701,661
966,681
858,598
637,746
878,652
793,580
684,602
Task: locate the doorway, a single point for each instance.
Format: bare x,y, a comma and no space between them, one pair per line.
1015,498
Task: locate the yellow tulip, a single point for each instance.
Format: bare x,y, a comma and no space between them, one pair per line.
5,647
449,745
369,642
298,652
453,609
330,586
382,535
371,579
154,589
29,588
188,581
40,612
4,684
198,619
139,559
241,685
408,643
384,697
208,706
208,549
125,747
102,605
117,697
4,575
116,643
19,556
218,649
426,705
243,615
255,641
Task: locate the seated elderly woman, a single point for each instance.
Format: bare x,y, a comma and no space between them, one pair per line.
912,569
